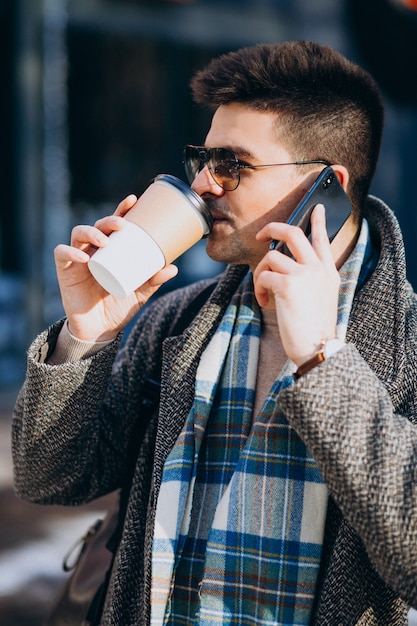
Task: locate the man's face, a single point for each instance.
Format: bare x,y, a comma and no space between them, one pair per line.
263,195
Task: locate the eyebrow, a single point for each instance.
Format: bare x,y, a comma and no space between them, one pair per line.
241,151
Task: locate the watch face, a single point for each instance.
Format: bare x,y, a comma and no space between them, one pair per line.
332,346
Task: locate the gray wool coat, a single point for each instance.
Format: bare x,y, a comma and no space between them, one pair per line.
356,412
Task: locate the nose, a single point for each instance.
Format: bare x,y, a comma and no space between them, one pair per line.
204,183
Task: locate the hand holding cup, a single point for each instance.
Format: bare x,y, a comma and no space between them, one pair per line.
93,314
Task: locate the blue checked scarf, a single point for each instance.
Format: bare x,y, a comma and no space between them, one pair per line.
241,512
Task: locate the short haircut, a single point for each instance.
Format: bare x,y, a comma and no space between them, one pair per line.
327,107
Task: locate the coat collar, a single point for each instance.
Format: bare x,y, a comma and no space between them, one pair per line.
377,323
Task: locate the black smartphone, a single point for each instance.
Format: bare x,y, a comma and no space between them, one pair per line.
326,190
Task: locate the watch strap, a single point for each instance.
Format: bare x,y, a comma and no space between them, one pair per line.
327,350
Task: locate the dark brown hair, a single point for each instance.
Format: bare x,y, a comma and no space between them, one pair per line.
327,107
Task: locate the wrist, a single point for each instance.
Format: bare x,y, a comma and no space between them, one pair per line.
93,337
328,348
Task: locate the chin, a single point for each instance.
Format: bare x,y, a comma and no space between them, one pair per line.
227,259
226,250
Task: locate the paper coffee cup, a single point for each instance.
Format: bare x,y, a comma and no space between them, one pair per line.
168,218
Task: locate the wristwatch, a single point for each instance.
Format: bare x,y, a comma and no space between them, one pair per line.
328,348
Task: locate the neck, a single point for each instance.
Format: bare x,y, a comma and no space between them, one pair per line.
344,242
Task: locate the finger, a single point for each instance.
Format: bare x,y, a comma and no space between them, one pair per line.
126,204
167,273
261,290
268,285
319,236
299,245
294,238
272,231
267,272
153,284
64,255
85,236
275,261
109,224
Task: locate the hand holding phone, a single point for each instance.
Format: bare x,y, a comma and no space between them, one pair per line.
326,190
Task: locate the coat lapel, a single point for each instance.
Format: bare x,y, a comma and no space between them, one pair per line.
180,359
377,325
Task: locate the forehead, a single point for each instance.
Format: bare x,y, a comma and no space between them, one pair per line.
245,131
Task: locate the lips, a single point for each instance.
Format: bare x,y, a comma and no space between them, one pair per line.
217,214
218,217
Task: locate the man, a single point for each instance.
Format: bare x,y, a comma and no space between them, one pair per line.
257,497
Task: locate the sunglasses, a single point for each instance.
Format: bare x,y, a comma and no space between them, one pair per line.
223,165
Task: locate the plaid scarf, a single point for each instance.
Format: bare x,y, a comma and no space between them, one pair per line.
241,511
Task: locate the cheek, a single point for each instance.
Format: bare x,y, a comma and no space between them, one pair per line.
251,207
270,202
270,209
282,203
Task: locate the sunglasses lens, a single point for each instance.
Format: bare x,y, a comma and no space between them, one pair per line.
224,168
222,164
193,162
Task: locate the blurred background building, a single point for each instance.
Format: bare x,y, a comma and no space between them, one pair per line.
96,103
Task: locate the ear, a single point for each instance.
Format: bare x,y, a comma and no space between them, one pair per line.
342,174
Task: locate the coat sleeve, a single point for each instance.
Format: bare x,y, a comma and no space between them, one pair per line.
61,429
367,455
73,422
